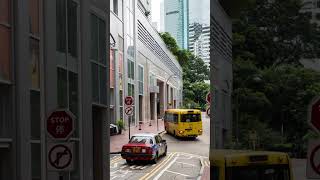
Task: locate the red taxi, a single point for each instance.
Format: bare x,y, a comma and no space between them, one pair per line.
146,146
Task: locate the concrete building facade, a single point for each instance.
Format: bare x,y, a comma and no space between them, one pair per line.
60,55
176,20
141,66
55,57
220,75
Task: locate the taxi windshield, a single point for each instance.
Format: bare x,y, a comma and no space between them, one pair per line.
141,140
271,172
190,118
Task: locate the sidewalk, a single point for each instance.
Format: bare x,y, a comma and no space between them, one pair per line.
117,141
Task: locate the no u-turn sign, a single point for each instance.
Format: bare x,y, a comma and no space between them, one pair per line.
313,166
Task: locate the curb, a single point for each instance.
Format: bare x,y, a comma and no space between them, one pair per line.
201,170
115,152
162,133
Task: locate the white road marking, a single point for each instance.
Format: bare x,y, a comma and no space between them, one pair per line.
187,164
133,167
167,167
178,173
142,168
114,165
138,167
123,166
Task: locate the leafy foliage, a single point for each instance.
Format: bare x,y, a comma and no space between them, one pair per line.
271,87
195,72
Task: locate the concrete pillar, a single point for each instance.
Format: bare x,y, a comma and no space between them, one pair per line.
22,90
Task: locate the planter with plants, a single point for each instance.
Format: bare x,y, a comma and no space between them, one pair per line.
120,125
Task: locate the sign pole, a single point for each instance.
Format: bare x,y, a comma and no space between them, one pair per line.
129,125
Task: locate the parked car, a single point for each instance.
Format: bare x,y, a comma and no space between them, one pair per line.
146,146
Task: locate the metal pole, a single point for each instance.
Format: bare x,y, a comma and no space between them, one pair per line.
129,126
157,124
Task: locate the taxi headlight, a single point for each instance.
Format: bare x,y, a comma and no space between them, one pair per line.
200,130
143,150
180,132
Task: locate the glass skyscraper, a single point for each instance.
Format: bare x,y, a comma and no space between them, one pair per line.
177,20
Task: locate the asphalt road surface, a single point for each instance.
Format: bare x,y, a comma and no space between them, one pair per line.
184,160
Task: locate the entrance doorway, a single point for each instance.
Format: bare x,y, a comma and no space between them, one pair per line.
152,106
160,99
141,109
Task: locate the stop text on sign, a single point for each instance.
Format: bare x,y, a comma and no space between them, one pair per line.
60,124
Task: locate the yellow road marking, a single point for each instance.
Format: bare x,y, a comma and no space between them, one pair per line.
157,168
115,160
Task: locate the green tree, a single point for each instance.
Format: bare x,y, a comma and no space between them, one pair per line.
195,72
275,32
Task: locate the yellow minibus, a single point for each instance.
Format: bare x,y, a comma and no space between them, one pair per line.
183,122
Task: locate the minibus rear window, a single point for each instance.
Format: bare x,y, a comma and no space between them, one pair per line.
190,118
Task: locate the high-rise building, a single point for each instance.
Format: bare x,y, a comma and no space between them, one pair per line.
199,29
177,20
199,41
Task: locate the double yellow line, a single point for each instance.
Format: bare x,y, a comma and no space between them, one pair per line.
158,167
116,159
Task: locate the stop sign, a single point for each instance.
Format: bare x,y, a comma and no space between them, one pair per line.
314,114
60,124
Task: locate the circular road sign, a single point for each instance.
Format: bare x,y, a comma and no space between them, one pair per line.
128,101
314,114
315,163
60,156
60,124
208,111
129,111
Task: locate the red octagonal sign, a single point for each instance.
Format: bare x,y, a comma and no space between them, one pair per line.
314,114
60,124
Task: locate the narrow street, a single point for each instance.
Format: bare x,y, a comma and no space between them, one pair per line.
184,160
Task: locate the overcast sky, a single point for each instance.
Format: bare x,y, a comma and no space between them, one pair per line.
156,11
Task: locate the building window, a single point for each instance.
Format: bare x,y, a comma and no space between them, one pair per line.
120,71
98,60
5,112
112,68
67,84
67,26
35,114
115,6
5,39
35,68
34,17
140,79
130,69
